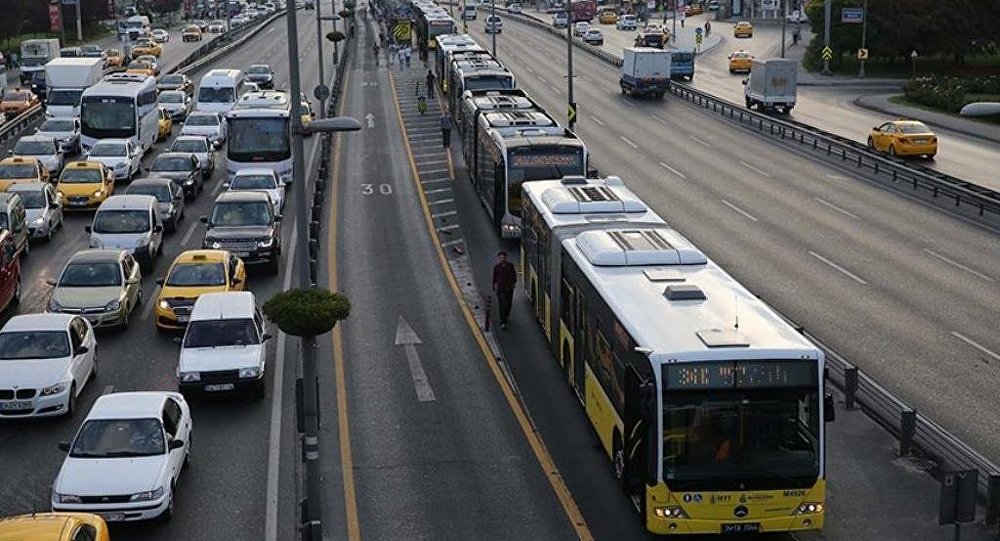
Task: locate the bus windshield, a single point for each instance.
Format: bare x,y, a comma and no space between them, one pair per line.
540,163
208,94
105,117
259,140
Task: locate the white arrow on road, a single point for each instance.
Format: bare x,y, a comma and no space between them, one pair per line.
406,337
371,120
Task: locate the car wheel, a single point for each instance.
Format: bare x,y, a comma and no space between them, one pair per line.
26,250
892,150
17,293
871,143
94,370
71,401
168,513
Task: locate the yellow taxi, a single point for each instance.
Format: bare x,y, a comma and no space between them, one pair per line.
740,61
693,9
164,125
21,169
607,17
16,101
307,113
147,47
115,58
191,32
54,527
743,29
141,67
904,138
193,273
85,185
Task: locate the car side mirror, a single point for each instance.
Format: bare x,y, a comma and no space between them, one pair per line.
225,185
54,205
88,229
50,282
288,182
64,446
829,409
157,228
266,337
203,219
278,217
159,281
876,128
81,350
176,444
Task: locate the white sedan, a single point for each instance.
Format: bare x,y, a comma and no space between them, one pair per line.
45,361
126,458
211,125
119,155
260,180
43,148
160,35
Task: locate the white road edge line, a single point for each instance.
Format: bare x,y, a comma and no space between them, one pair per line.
700,142
959,265
846,272
595,119
190,231
672,170
148,309
440,202
836,208
973,343
738,209
756,170
627,142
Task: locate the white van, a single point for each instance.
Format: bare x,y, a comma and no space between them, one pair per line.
220,89
129,222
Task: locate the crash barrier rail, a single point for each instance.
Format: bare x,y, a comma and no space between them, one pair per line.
15,126
944,190
918,434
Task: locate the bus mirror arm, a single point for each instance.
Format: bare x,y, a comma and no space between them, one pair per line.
829,408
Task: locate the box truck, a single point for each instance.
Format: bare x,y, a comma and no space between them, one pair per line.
66,79
771,85
645,71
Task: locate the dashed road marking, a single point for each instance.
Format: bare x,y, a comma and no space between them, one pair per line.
739,210
844,271
975,344
672,170
756,170
958,265
627,142
836,208
597,120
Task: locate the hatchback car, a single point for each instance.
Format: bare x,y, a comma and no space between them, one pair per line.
101,285
260,180
182,168
211,125
169,197
560,20
201,148
126,459
627,22
21,170
743,29
740,61
176,103
160,35
17,101
514,7
193,273
262,75
904,138
55,527
120,155
594,36
175,81
66,132
42,148
42,206
129,222
46,359
494,24
84,185
245,224
581,28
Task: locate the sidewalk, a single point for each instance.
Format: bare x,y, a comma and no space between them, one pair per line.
966,126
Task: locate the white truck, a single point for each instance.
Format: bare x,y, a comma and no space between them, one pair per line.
66,79
771,85
137,25
645,71
35,53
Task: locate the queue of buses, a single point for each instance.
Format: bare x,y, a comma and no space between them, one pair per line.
710,406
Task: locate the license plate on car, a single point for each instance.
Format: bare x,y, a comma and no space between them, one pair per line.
21,405
741,527
240,253
113,517
216,387
183,319
78,203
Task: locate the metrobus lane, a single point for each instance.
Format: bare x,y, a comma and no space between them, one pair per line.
434,449
222,496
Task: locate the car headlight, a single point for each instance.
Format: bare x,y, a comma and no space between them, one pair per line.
266,243
53,389
54,306
216,245
188,377
809,508
146,496
189,182
67,498
39,221
98,193
113,305
249,372
165,305
60,195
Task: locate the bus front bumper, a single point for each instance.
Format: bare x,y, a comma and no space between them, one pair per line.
687,526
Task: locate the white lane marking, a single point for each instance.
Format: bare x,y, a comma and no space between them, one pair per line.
959,265
542,79
452,243
441,202
432,172
554,89
447,227
836,208
529,69
439,190
190,231
672,170
738,209
627,142
699,141
406,337
108,389
595,119
846,272
660,120
150,303
756,170
974,344
443,214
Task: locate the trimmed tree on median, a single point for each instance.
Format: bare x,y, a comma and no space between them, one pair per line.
307,312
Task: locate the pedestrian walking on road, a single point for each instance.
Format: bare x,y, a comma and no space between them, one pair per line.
683,16
375,51
402,59
708,28
446,128
430,84
407,51
504,280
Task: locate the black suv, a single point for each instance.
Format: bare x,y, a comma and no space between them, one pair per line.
245,224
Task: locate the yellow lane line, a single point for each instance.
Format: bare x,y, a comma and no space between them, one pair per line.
545,461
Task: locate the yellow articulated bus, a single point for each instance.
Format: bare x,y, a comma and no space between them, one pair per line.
709,405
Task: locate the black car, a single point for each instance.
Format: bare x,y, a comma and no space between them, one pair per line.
175,81
245,224
182,168
262,75
38,85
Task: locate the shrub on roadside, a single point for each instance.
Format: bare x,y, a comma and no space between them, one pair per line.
949,93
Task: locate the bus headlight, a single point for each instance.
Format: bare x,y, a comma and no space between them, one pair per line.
673,511
809,508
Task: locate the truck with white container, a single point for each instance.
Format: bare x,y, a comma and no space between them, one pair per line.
771,85
35,53
66,79
137,26
645,71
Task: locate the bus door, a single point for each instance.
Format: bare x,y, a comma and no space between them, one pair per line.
499,192
582,349
638,395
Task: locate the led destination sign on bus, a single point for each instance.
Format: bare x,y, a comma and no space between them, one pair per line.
740,375
535,159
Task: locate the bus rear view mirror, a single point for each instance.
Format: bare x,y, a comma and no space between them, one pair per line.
829,408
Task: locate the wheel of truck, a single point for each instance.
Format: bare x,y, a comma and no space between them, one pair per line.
624,90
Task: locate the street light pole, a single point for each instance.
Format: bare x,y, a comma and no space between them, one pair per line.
493,29
673,32
827,8
569,63
319,44
864,34
784,25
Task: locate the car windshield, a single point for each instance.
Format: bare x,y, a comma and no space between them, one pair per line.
160,192
33,345
119,438
171,97
60,96
34,148
171,163
15,96
197,274
55,125
32,199
172,80
190,145
241,213
259,70
215,95
253,182
108,150
202,120
139,65
914,127
215,333
17,170
81,176
121,221
91,275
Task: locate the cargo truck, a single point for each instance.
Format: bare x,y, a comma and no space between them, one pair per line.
771,85
645,71
35,53
66,79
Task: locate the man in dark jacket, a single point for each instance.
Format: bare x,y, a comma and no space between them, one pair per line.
504,280
430,84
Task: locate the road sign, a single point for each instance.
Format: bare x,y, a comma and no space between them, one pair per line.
698,39
698,30
401,31
571,113
827,53
321,92
862,54
852,15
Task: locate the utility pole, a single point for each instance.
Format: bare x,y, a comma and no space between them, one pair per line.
864,34
319,44
493,29
79,21
826,34
569,63
784,25
673,33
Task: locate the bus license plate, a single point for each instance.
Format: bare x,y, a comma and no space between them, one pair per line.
740,528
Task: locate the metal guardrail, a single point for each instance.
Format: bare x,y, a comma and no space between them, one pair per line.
918,434
15,126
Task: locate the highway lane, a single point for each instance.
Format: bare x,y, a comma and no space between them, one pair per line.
905,291
223,495
828,108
